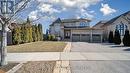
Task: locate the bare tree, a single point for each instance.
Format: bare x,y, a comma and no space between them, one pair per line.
5,20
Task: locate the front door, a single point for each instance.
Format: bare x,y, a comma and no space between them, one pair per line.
67,34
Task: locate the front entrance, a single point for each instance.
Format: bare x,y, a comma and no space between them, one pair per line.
67,34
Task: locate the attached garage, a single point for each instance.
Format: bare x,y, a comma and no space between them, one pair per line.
81,37
96,38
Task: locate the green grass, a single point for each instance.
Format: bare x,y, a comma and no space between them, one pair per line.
41,46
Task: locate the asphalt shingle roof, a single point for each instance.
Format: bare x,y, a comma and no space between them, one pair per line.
112,20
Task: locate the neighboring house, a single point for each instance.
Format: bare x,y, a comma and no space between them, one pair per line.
121,23
76,30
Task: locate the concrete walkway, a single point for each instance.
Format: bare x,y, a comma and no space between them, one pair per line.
73,56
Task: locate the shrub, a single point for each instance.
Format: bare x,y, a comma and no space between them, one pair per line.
51,38
117,38
126,38
110,39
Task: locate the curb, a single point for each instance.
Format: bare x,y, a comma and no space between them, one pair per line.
63,66
15,68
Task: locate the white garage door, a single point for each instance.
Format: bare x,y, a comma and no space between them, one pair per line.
75,37
96,38
85,38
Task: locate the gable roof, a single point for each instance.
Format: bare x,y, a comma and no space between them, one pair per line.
114,19
58,20
102,22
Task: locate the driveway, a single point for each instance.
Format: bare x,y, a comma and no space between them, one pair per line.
103,65
98,47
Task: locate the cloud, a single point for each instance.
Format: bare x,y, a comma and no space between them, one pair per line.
70,8
47,8
106,9
33,15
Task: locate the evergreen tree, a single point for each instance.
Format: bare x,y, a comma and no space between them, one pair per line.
110,39
30,34
34,36
126,38
117,38
16,35
22,34
37,33
26,37
28,20
40,32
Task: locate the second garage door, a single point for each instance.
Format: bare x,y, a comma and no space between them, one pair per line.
85,38
75,37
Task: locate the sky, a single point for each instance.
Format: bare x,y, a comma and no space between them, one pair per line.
49,10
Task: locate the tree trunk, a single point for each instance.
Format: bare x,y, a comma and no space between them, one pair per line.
3,45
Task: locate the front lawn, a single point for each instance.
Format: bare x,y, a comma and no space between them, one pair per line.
41,46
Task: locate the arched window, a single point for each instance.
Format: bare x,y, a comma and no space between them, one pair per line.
121,27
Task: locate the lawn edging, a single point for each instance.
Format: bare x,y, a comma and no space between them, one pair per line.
15,68
63,66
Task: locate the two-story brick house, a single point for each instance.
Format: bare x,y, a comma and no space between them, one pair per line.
75,30
80,30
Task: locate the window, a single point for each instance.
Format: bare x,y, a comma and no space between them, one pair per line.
122,27
83,24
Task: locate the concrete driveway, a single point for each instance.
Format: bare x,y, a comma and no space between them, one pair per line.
114,65
98,47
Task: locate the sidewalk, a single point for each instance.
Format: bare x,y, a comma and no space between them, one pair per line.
73,56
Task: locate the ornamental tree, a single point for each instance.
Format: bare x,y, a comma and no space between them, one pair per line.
110,39
126,38
117,38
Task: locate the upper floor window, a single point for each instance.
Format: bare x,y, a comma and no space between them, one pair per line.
84,24
122,27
